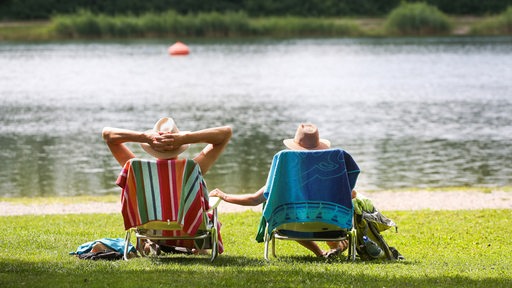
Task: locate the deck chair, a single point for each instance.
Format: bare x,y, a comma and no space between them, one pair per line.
309,198
167,200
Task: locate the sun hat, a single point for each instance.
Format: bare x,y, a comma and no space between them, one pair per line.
307,138
165,124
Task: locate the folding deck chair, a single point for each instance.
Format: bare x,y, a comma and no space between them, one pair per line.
309,198
167,200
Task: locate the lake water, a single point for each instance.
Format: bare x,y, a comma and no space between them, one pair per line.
423,112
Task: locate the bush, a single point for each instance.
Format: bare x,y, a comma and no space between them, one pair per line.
417,19
212,24
294,26
84,24
87,24
497,25
216,24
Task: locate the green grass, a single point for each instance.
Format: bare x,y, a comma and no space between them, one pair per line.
27,31
442,249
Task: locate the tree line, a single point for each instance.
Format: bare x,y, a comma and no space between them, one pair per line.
44,9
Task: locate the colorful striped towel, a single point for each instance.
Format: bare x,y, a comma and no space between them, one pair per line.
163,190
310,186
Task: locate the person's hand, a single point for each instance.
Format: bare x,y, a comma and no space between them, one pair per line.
165,141
217,193
152,138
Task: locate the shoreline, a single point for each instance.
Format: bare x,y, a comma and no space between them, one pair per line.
383,201
38,30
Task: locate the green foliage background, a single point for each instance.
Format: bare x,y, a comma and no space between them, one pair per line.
44,9
417,19
498,25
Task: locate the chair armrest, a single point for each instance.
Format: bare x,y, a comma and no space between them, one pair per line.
213,202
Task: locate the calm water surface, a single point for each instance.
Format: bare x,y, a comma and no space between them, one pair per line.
412,112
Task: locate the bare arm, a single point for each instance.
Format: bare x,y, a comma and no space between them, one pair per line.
217,139
246,199
116,137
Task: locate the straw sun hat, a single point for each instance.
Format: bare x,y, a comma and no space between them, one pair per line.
307,138
165,125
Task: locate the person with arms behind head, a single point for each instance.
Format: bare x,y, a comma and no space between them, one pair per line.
164,142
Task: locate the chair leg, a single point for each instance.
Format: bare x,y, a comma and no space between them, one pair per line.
273,245
214,244
266,240
269,239
352,245
126,242
213,237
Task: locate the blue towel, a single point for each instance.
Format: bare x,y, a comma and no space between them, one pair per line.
310,186
116,244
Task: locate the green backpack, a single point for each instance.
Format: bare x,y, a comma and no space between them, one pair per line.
369,223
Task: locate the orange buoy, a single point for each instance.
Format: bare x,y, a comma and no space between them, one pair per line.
178,48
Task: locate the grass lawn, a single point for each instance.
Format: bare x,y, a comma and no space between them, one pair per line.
442,249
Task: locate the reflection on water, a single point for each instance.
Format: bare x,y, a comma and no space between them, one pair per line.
412,112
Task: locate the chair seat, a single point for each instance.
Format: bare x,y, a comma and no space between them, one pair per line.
309,227
340,234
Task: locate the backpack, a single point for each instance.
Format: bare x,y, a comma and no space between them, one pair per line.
369,222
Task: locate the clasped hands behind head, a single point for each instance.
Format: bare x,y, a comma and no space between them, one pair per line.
166,141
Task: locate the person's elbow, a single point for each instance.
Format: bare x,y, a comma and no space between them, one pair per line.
255,200
106,134
228,131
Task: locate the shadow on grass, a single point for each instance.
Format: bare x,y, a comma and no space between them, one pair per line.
204,260
339,260
227,271
228,260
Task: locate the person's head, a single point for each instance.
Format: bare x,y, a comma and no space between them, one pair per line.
307,138
165,124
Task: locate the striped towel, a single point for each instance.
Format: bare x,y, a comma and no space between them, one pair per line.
163,190
310,186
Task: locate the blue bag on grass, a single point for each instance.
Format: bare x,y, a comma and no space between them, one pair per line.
115,244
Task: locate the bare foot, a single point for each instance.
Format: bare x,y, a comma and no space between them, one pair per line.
335,252
200,252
